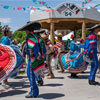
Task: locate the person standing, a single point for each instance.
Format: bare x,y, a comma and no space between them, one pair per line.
73,47
35,49
59,47
90,48
49,55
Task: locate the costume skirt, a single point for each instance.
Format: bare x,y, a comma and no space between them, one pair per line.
75,64
19,61
7,61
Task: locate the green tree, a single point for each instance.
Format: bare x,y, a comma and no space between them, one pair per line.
0,31
19,36
79,33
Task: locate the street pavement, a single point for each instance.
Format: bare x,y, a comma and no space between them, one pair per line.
62,87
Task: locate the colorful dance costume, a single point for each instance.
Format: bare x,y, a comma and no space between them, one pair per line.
35,48
59,48
7,58
5,40
75,57
90,47
19,61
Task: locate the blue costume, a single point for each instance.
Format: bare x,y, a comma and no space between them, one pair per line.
73,46
76,59
75,51
20,60
31,76
5,40
90,47
35,48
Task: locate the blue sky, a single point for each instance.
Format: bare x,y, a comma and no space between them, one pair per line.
15,19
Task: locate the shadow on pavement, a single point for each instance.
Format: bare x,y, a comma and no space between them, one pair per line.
12,93
85,72
19,85
51,95
83,76
20,77
53,85
80,77
59,78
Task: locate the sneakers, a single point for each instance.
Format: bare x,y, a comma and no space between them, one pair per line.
6,86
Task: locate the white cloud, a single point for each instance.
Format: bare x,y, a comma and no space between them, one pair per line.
5,20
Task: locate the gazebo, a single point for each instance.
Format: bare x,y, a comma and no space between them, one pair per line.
66,16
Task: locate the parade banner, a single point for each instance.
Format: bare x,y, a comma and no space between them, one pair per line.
48,9
41,3
86,2
25,8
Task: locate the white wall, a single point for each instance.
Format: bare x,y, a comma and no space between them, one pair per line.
66,37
